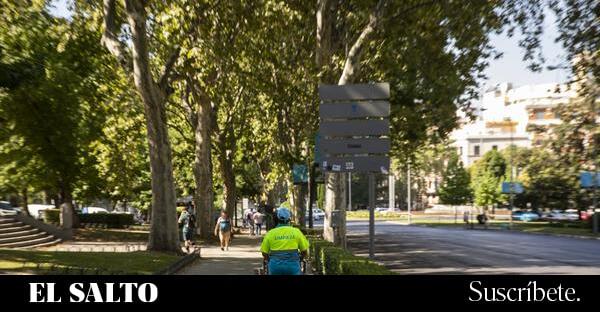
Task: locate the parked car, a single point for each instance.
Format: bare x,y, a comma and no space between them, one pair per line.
559,215
37,210
7,209
381,209
318,214
93,210
525,216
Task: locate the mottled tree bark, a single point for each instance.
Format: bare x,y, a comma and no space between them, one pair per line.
163,231
203,196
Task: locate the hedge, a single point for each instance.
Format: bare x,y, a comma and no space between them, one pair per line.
111,220
330,260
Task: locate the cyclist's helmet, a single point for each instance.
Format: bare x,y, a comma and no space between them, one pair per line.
284,215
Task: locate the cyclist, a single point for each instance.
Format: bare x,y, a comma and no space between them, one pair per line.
283,246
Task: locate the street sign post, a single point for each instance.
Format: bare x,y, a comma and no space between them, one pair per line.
512,188
354,135
300,174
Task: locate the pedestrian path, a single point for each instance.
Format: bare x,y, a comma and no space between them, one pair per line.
242,258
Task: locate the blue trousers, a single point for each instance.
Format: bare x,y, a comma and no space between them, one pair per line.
284,264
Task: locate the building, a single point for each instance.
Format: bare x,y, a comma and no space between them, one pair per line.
506,116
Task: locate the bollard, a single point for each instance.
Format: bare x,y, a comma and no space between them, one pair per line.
595,222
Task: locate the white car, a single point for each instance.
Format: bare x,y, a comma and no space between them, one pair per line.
94,210
36,210
318,214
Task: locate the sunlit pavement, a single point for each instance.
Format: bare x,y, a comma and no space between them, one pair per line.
242,258
422,250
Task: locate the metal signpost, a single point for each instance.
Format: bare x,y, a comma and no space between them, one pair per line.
592,180
354,134
512,188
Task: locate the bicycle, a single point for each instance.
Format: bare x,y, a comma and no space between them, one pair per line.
264,270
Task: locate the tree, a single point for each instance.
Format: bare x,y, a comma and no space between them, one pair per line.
487,174
455,188
154,92
51,98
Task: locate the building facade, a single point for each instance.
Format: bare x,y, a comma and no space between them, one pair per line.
506,117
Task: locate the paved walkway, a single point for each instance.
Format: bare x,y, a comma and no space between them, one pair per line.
242,258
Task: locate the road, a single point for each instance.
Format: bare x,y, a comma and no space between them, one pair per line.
423,250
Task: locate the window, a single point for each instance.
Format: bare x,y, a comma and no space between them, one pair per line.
460,151
476,150
539,115
495,147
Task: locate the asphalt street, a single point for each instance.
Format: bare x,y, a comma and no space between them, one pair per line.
425,250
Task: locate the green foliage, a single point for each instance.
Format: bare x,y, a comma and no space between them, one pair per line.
487,174
455,188
55,107
549,182
330,260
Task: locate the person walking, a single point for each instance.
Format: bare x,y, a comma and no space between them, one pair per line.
223,230
258,219
249,221
187,221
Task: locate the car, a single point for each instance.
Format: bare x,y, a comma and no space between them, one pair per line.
94,210
381,209
525,216
7,209
318,214
559,215
37,210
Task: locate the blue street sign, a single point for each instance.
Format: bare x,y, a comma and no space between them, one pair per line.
517,188
300,174
318,152
586,179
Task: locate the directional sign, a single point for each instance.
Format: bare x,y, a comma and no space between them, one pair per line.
354,128
354,146
300,173
587,179
517,188
379,164
354,109
377,91
347,128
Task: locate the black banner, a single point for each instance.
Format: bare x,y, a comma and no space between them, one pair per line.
336,291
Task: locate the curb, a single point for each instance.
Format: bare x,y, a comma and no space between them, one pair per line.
179,264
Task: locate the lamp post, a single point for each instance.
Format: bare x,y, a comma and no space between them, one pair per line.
512,148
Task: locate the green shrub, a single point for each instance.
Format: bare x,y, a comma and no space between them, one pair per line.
110,220
315,253
51,216
364,268
330,260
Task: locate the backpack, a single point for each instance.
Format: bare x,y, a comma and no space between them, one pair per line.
191,221
225,226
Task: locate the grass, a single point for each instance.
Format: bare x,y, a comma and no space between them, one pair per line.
60,262
541,227
553,228
110,235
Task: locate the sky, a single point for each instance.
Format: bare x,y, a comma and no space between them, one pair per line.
509,68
